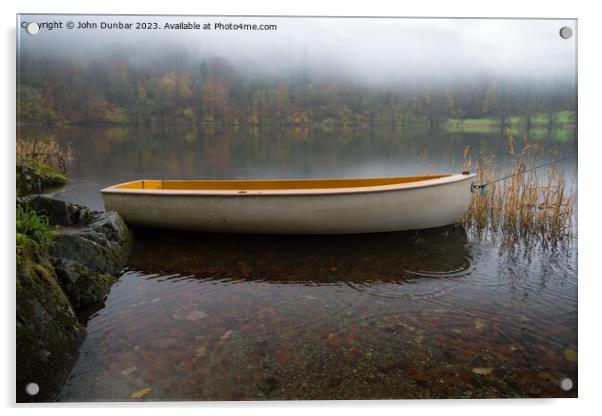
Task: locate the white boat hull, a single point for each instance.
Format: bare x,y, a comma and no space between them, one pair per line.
362,210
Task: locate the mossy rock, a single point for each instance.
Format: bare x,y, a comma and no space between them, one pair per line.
82,286
34,177
74,272
98,240
48,332
102,246
57,211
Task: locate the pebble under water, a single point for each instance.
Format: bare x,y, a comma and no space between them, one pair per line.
426,314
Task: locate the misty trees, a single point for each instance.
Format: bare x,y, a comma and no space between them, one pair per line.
503,104
189,90
142,105
31,105
436,105
215,101
453,110
489,98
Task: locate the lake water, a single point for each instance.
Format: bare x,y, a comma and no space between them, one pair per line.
430,314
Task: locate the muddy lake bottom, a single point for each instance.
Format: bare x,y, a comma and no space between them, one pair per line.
427,314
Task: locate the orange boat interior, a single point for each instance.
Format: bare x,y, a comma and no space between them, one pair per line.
271,184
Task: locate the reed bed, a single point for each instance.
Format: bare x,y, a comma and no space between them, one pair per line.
48,151
531,205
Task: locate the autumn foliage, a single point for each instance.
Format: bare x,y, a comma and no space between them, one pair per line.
189,90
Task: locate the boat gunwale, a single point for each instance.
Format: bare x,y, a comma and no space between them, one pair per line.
442,180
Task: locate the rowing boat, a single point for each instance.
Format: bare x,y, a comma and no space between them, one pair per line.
298,206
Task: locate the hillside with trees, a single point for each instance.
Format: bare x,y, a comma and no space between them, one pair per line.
190,90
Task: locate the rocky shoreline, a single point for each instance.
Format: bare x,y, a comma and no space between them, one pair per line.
88,249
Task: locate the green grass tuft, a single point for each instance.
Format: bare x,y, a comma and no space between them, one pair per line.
34,236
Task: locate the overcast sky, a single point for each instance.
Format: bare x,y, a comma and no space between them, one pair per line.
367,49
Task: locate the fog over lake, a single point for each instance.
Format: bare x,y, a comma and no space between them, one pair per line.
373,50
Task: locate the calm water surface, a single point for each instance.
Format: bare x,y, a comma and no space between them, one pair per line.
430,314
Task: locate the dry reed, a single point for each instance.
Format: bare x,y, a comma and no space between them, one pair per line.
46,150
530,205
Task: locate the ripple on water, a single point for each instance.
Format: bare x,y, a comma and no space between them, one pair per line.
215,318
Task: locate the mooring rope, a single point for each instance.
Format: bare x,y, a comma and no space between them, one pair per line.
483,186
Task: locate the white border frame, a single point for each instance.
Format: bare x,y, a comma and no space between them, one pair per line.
590,288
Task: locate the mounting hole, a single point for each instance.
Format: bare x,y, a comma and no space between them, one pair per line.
32,389
566,32
32,28
566,384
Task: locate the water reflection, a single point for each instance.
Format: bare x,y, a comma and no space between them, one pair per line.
313,260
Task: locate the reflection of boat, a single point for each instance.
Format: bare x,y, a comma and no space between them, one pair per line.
307,206
364,258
